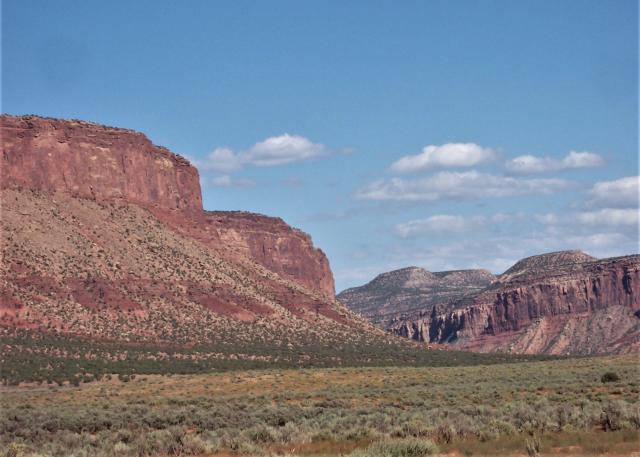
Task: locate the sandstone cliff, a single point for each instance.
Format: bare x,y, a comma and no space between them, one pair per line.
93,161
583,306
101,163
557,303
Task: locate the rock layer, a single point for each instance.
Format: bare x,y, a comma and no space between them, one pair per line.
275,245
558,303
93,161
107,164
535,310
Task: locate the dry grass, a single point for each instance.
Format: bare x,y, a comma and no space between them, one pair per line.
479,410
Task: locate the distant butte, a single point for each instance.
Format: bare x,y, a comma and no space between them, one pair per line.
557,303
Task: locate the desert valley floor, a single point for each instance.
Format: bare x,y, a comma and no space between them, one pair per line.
562,406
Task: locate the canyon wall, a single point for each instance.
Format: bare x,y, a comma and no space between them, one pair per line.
275,245
580,307
100,163
92,161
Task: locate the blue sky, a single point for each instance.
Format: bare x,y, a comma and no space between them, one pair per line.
444,134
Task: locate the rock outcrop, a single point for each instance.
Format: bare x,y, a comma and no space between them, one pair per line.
275,245
557,303
104,237
405,294
107,164
93,161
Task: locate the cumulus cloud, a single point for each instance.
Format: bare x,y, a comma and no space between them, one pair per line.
471,184
527,164
222,159
620,192
277,150
439,223
609,216
571,225
446,155
595,241
604,217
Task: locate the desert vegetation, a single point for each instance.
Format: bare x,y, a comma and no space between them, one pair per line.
538,407
34,357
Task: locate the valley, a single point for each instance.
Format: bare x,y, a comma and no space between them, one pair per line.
447,411
133,322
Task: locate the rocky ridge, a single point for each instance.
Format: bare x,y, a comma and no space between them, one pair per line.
104,236
406,293
557,303
100,163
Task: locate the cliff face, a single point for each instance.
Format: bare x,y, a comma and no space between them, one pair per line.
97,162
560,303
405,294
275,245
107,164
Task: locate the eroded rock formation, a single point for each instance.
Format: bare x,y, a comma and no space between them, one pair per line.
104,236
108,164
559,303
408,292
93,161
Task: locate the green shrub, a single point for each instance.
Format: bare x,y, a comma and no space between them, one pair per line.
614,415
610,376
407,447
14,450
533,446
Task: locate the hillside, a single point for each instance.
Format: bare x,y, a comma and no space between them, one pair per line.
407,292
557,303
111,265
107,164
104,237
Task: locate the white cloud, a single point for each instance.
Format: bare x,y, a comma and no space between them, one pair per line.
527,164
609,216
584,159
277,150
594,241
497,253
605,217
602,233
471,184
222,159
547,219
228,181
446,155
283,149
620,192
439,223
